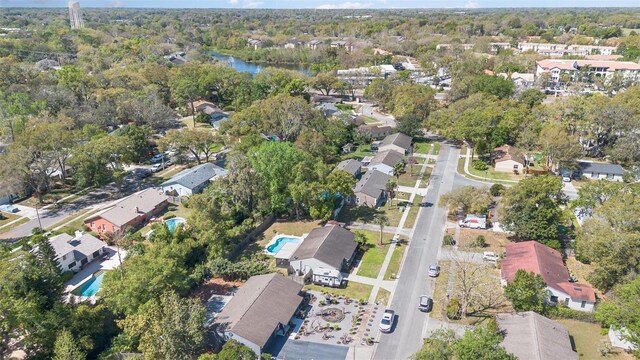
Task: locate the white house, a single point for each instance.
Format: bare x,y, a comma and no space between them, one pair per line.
192,181
384,161
260,311
509,159
330,247
532,256
598,171
73,253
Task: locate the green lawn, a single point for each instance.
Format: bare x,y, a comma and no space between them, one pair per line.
353,290
350,214
413,212
440,291
422,146
77,224
215,147
436,148
370,120
345,107
8,217
374,255
360,152
14,225
396,259
478,173
587,338
383,296
407,178
50,197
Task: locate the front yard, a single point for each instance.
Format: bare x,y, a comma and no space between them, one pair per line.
8,217
413,212
353,290
422,146
374,255
588,338
396,259
495,241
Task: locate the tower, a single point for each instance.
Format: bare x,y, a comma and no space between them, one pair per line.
75,16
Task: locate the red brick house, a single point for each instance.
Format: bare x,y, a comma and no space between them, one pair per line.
131,211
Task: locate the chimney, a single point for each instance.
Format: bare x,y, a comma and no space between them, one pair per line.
137,210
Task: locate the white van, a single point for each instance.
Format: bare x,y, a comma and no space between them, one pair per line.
490,256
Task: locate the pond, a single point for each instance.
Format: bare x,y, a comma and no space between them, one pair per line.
254,68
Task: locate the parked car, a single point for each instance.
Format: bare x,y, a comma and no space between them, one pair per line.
157,158
490,256
386,324
425,303
157,167
434,270
9,208
141,173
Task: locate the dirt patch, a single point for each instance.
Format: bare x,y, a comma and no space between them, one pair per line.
215,286
495,241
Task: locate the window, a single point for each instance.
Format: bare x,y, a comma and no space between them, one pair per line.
609,176
64,257
357,200
72,265
566,301
553,299
95,253
515,167
93,225
583,304
594,175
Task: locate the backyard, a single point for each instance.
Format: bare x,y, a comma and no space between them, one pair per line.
587,338
359,152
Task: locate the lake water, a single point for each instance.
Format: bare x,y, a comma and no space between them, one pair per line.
254,68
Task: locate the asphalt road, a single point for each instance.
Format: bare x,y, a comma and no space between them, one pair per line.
369,110
410,323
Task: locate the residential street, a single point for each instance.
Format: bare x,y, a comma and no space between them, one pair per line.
409,329
370,110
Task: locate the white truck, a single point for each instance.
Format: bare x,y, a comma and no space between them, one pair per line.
474,222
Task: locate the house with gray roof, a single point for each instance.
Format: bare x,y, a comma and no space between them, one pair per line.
385,161
331,247
597,171
132,211
528,335
73,253
352,166
260,311
370,190
398,142
193,180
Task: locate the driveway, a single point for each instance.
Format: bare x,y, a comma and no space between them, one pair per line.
368,109
570,190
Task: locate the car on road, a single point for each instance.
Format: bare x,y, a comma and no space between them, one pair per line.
9,208
425,303
386,323
434,270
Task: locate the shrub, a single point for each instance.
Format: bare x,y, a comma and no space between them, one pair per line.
448,240
496,189
480,241
480,165
563,312
453,309
170,216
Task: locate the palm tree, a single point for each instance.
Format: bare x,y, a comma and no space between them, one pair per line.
411,161
398,169
381,220
390,188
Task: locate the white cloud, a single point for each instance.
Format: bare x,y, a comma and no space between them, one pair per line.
115,4
233,2
345,5
252,4
471,4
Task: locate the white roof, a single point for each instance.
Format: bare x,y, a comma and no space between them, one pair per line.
326,272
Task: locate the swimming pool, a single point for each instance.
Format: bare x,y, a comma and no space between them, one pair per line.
91,286
172,223
277,243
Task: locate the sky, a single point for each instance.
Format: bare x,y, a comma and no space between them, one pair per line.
323,4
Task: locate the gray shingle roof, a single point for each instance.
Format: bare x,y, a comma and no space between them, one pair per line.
398,139
330,244
389,158
589,167
259,306
351,166
532,336
372,183
81,247
124,211
195,176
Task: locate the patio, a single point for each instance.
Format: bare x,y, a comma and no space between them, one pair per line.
111,262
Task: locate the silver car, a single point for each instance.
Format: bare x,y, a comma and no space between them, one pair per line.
387,320
434,270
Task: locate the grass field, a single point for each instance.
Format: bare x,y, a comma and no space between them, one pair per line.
422,146
375,253
436,148
495,241
353,290
440,291
77,224
383,296
8,217
413,212
588,339
396,259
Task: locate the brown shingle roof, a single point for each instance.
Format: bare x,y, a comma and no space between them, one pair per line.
330,244
528,335
259,306
124,211
508,152
389,157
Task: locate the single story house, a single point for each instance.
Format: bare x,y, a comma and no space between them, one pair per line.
398,142
508,158
193,180
597,171
73,253
260,311
216,115
131,211
384,161
330,247
370,190
532,256
352,166
531,336
374,132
